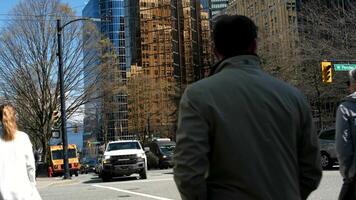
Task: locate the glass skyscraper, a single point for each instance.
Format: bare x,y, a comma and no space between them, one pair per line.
114,26
166,45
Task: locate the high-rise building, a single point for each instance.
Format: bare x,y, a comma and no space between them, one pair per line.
152,82
162,46
175,51
218,5
111,112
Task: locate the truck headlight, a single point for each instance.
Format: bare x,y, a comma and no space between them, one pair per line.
141,155
106,160
164,156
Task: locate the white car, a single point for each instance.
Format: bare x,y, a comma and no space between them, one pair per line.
123,158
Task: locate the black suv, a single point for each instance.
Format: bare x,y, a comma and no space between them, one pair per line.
162,150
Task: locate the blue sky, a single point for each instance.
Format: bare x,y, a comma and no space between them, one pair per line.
7,5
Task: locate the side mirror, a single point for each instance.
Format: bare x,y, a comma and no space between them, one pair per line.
147,149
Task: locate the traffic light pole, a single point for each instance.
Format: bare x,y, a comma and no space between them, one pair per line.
66,174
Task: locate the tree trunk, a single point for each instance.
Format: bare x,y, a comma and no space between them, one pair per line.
44,142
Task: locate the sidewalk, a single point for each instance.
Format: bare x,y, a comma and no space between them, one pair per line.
43,182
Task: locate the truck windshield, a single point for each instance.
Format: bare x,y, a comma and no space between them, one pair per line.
58,154
167,148
123,145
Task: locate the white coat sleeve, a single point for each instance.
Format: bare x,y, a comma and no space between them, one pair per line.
30,161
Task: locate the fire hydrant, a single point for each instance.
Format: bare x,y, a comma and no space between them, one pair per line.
50,172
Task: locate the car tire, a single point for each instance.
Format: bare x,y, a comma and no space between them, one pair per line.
143,174
326,161
106,177
76,173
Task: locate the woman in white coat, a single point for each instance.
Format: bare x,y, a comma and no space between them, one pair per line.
17,164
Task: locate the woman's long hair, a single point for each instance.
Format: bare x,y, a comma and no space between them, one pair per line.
8,120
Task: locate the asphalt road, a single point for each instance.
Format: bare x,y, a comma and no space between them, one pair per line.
159,185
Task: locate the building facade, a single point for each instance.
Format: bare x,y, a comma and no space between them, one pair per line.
161,46
110,121
174,40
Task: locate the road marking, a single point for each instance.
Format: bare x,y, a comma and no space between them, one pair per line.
130,192
148,181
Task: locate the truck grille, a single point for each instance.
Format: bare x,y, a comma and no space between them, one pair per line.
124,159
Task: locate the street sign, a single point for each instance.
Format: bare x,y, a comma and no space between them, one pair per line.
56,133
344,67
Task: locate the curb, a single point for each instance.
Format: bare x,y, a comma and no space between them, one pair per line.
57,182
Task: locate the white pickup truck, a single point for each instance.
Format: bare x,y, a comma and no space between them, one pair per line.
123,158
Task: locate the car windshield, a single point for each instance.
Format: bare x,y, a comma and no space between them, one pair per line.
167,148
58,154
123,145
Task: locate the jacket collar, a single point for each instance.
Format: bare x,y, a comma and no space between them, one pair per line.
249,60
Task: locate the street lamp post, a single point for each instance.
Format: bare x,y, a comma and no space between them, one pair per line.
62,92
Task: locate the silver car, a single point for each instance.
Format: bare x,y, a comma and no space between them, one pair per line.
327,148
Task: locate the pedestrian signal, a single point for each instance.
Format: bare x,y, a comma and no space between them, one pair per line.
327,72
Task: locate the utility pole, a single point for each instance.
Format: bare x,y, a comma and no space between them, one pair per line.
60,28
62,98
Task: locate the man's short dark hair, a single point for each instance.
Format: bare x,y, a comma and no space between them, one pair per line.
233,35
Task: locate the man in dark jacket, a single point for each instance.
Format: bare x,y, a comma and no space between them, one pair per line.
243,134
346,140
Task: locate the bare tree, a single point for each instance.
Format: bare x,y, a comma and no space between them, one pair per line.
29,67
323,30
150,106
326,32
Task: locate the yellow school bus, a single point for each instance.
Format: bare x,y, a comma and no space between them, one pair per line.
57,162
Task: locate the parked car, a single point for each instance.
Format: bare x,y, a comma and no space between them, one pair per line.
161,151
88,166
327,148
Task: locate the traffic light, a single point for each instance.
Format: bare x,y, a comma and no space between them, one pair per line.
327,72
56,118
